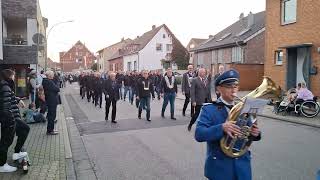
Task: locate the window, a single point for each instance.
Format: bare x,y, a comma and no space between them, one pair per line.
129,66
191,46
135,65
164,36
237,54
220,56
169,47
159,47
288,11
223,37
278,57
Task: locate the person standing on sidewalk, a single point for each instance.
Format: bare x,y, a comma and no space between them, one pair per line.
144,89
51,91
10,120
112,95
200,93
185,88
169,90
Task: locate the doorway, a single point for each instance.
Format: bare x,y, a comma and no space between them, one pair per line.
298,66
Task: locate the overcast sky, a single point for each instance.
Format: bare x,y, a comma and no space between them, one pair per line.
100,23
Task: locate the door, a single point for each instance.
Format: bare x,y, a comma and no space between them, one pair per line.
291,67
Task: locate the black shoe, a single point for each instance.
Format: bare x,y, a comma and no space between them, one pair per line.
148,119
173,118
139,117
114,121
189,128
55,121
106,118
162,115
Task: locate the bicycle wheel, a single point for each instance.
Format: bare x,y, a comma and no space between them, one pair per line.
309,109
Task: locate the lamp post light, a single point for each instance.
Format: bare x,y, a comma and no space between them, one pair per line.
46,43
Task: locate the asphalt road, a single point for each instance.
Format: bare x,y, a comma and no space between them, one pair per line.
164,149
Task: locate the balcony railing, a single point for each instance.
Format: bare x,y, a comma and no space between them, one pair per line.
15,40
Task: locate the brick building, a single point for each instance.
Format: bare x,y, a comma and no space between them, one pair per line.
240,46
23,33
79,57
53,65
292,43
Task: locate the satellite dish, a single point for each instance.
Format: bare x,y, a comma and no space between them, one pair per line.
38,38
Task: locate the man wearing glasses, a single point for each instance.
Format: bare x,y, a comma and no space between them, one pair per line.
213,125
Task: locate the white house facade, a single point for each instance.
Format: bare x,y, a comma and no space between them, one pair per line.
157,50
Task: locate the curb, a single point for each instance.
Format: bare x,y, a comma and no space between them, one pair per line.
290,120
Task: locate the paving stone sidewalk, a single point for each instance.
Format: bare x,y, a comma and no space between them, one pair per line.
46,153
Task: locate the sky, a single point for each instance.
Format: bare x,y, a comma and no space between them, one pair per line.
101,23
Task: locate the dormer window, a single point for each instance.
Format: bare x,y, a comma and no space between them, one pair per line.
223,37
191,46
243,32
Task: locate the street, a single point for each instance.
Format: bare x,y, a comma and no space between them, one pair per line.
164,149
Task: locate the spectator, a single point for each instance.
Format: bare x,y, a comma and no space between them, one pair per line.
51,91
31,115
11,122
33,85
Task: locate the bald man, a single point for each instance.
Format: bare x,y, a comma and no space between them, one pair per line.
112,95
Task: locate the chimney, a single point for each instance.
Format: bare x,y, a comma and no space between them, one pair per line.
153,27
250,20
241,16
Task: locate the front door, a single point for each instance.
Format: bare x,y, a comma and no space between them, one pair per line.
298,66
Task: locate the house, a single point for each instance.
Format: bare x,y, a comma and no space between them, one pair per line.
23,38
53,65
293,43
77,58
108,53
193,44
240,46
153,50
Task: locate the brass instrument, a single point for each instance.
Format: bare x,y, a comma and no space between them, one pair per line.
267,90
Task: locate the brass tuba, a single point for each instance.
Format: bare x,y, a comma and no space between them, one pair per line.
267,90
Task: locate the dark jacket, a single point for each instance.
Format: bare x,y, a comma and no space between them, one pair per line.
145,88
200,91
51,92
166,89
186,82
98,85
9,110
127,81
111,89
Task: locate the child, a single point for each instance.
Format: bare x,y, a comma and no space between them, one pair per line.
32,116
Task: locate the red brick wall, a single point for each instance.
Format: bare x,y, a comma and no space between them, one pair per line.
305,30
118,64
68,60
251,75
254,50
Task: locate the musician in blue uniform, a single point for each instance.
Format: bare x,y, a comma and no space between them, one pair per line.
213,124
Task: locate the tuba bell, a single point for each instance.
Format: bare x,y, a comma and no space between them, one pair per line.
239,145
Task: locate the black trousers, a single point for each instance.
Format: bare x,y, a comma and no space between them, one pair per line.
7,135
114,108
186,102
89,94
195,116
22,131
51,116
98,98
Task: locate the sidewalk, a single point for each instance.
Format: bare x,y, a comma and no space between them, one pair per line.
47,153
267,112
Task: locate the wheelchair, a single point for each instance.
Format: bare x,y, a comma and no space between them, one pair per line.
307,108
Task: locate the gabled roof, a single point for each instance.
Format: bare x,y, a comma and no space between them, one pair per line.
111,51
77,44
238,31
196,42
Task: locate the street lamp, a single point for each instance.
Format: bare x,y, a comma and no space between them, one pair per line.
47,36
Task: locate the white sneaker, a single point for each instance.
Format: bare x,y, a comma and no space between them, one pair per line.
16,156
7,168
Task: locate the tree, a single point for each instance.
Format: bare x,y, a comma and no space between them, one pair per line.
94,67
180,54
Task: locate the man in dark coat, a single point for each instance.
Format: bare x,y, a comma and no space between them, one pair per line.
200,93
185,88
98,88
51,91
145,90
169,90
111,91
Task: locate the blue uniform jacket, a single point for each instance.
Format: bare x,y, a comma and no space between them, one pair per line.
218,166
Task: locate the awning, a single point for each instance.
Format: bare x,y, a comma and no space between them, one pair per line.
297,46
